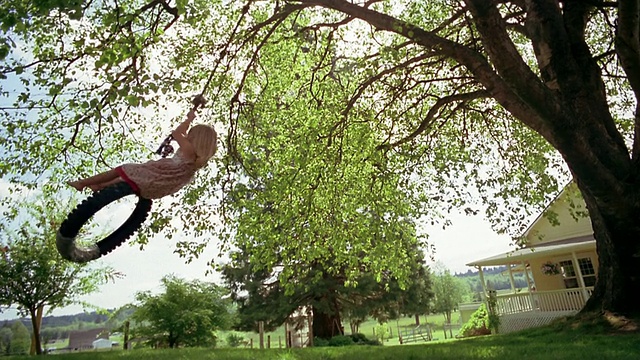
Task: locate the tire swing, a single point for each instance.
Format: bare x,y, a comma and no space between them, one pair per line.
69,229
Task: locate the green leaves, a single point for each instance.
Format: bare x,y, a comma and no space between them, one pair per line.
334,144
449,292
32,273
185,314
313,187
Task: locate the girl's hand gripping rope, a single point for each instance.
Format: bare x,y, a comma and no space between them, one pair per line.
165,149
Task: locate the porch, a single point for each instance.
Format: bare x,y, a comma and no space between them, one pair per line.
546,296
538,308
546,301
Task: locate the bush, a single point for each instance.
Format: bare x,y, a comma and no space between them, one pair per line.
382,332
341,340
234,340
361,339
478,324
318,342
345,340
358,338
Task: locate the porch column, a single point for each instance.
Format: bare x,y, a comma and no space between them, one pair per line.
511,280
585,294
484,285
528,280
527,276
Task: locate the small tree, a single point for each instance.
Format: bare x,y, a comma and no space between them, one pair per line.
32,273
449,292
5,339
19,344
185,314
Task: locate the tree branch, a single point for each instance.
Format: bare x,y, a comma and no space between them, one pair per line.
475,62
628,49
431,114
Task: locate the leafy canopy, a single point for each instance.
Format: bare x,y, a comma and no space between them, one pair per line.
32,273
186,313
333,140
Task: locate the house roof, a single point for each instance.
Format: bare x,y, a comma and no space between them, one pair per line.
548,249
541,214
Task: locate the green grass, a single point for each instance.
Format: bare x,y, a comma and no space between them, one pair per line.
584,342
366,328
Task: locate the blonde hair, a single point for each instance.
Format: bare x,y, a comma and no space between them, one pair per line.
205,143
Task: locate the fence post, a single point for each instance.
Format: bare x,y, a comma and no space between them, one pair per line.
287,344
126,335
261,332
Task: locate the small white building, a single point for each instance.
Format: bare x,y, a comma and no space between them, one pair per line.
102,344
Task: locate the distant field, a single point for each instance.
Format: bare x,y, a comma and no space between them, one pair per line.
583,343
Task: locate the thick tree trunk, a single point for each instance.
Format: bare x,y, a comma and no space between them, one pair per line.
327,324
417,317
616,226
573,115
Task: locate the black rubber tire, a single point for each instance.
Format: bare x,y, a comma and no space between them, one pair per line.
65,239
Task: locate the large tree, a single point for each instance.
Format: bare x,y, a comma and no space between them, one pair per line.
263,296
488,99
33,275
552,65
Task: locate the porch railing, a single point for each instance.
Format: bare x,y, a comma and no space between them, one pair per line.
556,300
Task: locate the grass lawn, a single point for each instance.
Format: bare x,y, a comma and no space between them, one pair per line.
586,341
366,328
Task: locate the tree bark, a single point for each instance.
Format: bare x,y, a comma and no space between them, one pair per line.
126,335
577,121
36,320
327,324
617,230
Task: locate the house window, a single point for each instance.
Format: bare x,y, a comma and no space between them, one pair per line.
570,275
588,271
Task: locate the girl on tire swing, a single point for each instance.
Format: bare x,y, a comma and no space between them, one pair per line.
155,179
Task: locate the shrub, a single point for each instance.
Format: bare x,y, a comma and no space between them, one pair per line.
381,331
478,324
234,340
319,342
341,340
345,340
361,339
